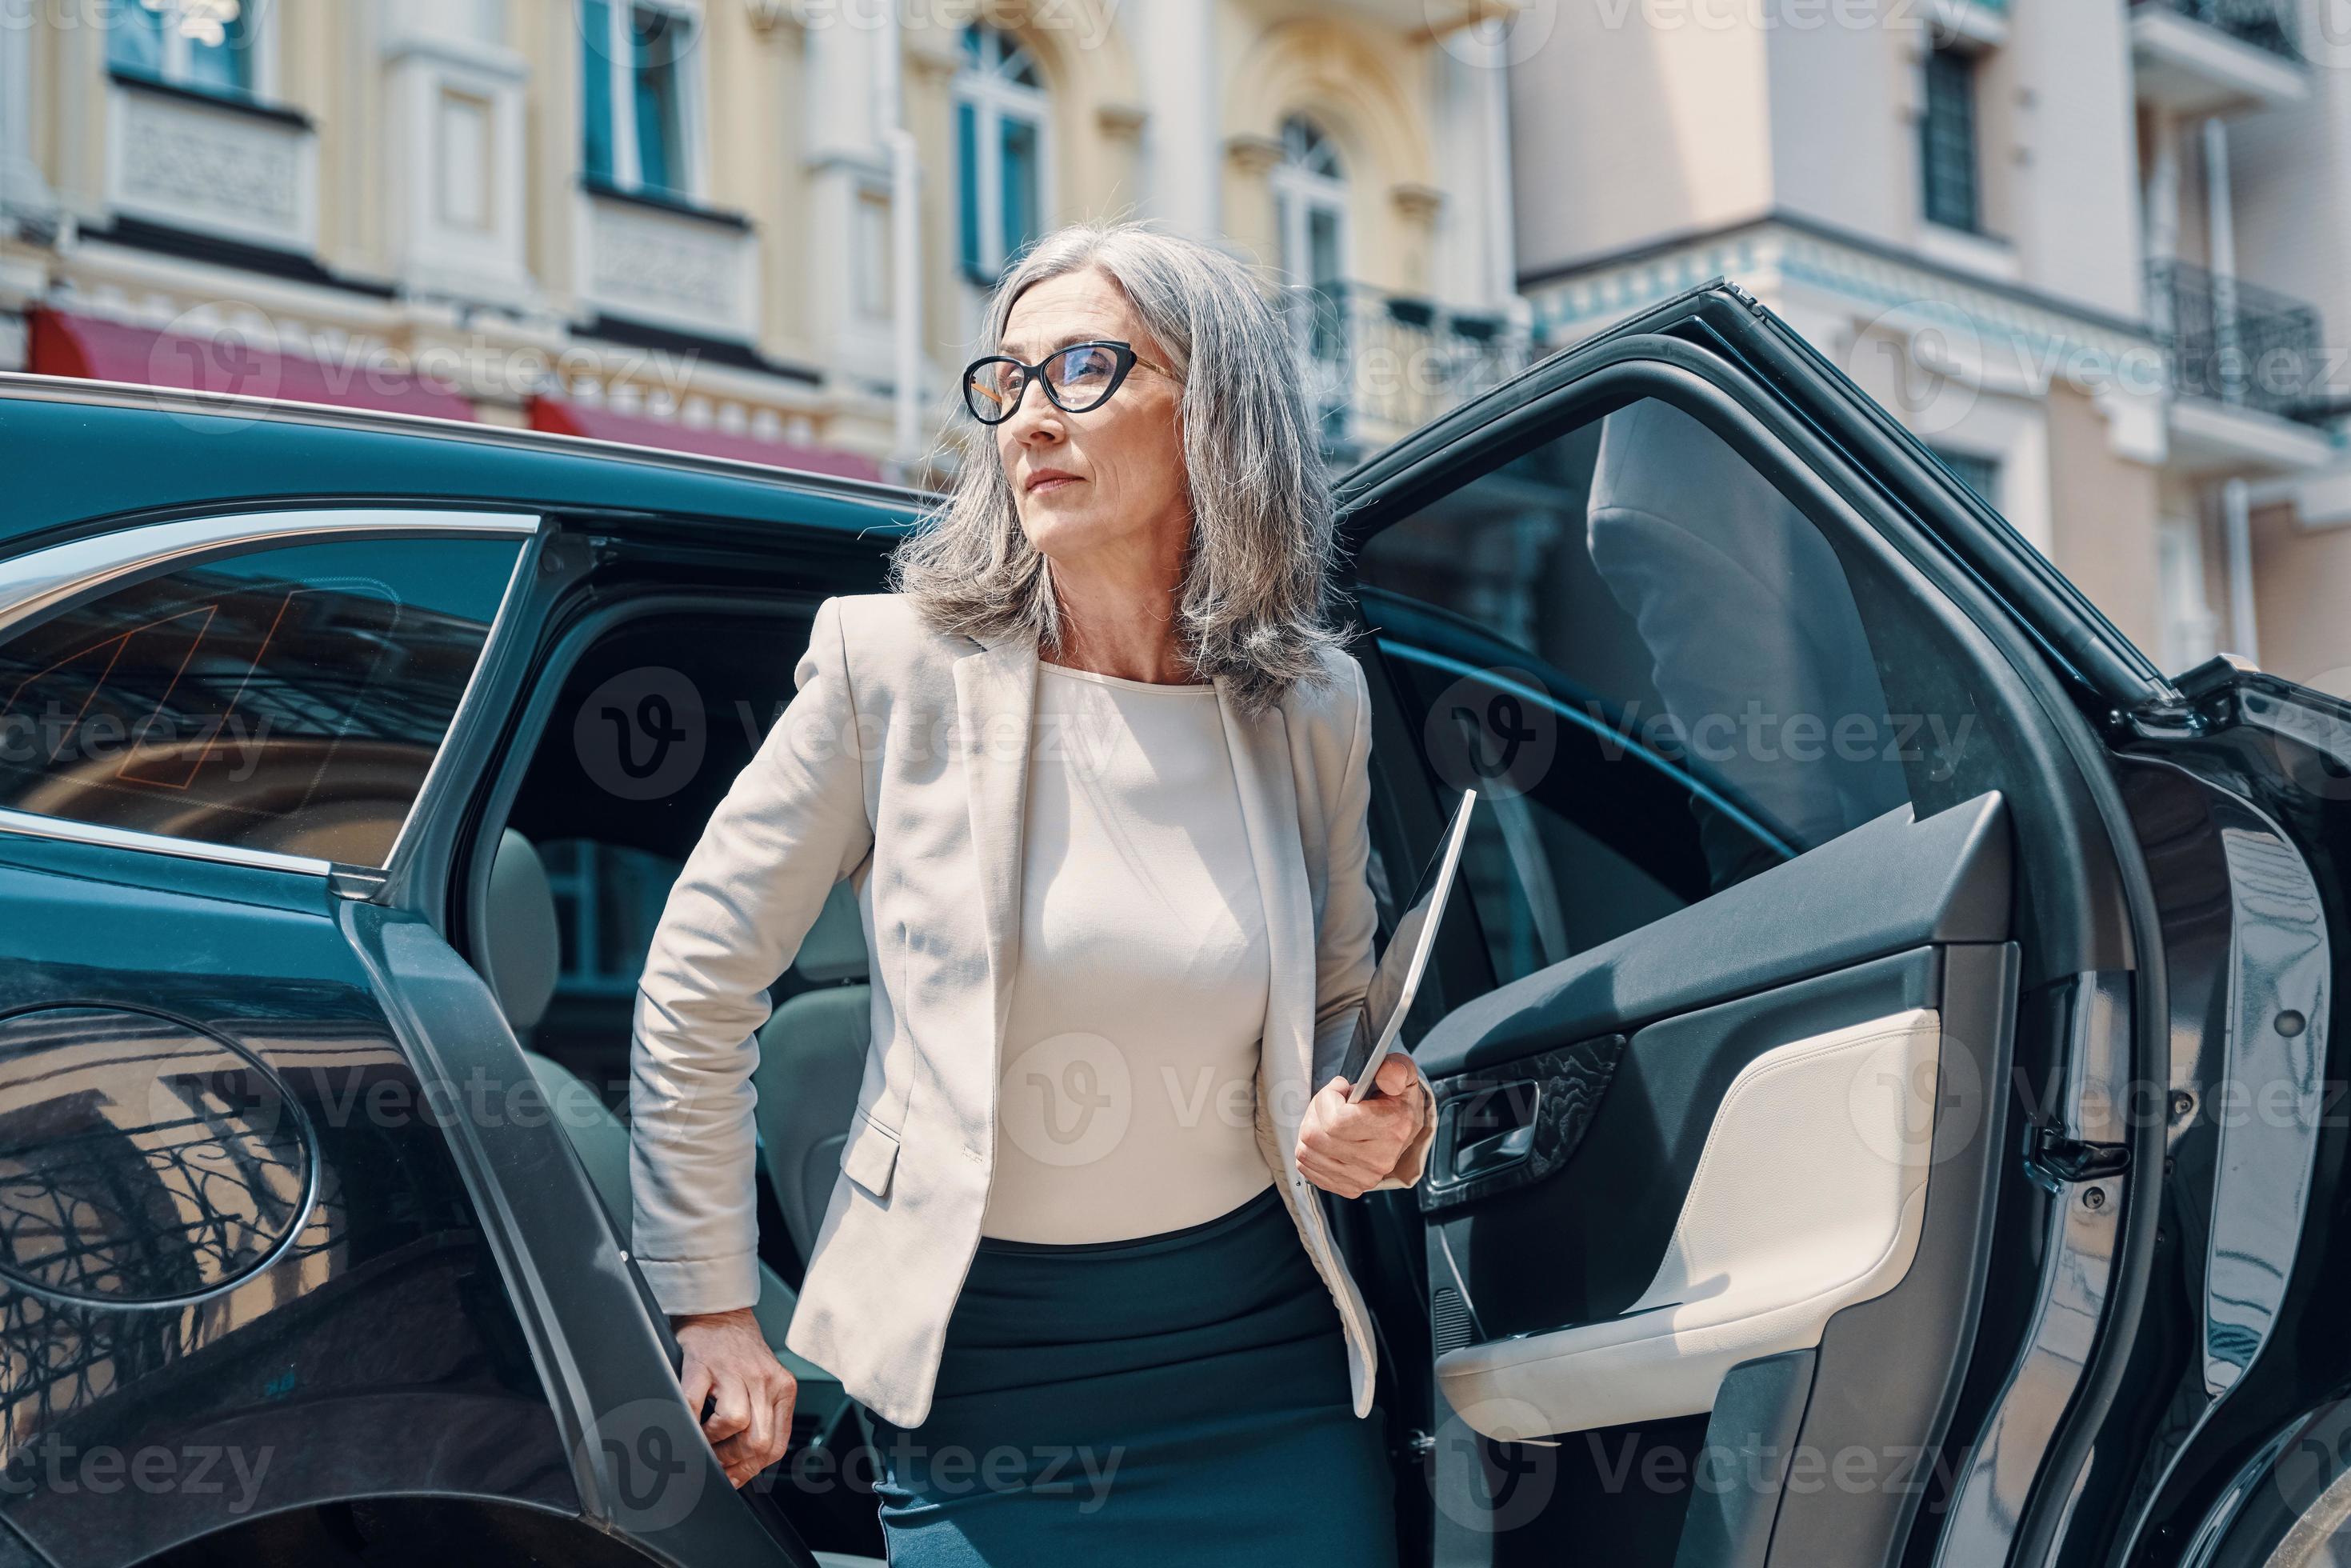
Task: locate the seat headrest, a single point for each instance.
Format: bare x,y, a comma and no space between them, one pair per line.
835,948
522,948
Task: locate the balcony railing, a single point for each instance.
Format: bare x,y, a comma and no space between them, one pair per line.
2264,23
1379,364
2236,344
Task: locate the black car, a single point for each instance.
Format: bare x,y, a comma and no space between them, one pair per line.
344,759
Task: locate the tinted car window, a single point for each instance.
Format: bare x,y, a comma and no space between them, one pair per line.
1651,664
289,699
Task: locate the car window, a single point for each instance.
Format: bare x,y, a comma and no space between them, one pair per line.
648,728
289,699
1648,661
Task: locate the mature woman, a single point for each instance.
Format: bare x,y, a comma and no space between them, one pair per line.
1097,773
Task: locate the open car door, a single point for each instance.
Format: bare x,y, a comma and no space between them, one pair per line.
291,1243
1778,1190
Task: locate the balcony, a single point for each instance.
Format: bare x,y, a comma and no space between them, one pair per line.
199,163
669,263
2208,57
2247,367
1378,365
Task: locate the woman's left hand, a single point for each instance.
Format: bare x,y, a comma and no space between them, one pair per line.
1349,1149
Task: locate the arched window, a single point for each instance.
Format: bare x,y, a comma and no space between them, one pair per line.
1310,203
1309,195
1000,108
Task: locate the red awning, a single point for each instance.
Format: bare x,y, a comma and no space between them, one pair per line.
89,346
567,418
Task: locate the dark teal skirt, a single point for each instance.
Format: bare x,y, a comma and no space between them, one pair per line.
1179,1398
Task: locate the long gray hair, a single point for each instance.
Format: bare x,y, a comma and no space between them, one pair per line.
1256,599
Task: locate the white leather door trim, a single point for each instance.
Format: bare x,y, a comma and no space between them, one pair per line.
1808,1197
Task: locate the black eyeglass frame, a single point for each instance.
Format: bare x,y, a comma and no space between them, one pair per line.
1123,359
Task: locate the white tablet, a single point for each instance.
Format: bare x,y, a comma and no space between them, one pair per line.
1398,979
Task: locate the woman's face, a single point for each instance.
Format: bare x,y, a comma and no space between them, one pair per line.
1108,483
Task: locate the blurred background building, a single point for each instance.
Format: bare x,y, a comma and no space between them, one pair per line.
759,228
2089,250
2096,252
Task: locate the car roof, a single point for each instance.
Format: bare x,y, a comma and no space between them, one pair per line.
74,450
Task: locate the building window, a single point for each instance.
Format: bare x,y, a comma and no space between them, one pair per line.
1977,473
206,45
1310,198
636,119
1310,203
1947,152
1000,108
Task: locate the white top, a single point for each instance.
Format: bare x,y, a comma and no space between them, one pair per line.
1128,1100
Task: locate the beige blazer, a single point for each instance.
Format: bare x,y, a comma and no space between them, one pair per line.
900,765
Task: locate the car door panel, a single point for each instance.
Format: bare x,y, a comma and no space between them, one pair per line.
145,1338
1757,1168
1699,1027
594,1328
1888,886
1809,1196
1480,543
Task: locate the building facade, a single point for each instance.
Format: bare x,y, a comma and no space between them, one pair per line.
758,228
2078,247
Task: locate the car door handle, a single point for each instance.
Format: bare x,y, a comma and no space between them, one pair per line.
1497,1151
1491,1130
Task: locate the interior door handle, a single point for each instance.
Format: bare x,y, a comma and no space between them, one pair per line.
1492,1131
1496,1152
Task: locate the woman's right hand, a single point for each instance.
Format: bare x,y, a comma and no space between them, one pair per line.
727,1359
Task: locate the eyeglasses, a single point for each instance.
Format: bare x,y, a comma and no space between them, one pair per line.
1077,377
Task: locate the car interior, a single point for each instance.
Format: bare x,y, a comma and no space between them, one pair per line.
1780,864
563,969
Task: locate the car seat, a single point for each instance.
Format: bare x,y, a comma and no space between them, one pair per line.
523,954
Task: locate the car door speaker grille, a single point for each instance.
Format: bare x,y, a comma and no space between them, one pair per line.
1449,1320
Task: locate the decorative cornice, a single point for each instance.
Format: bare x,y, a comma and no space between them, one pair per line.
1467,13
1620,281
1419,203
768,16
932,61
1123,121
1251,153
